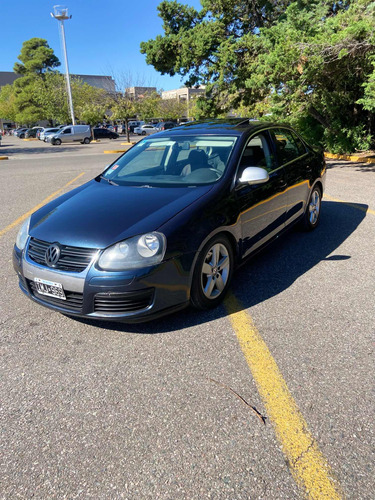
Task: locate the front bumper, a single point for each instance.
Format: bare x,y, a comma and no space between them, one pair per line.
128,296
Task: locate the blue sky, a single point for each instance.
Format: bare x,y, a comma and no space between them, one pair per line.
102,37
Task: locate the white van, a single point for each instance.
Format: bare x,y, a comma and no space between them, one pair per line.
71,133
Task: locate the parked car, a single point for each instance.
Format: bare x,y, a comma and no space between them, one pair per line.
31,132
71,133
134,124
166,224
47,131
165,126
104,133
146,129
20,132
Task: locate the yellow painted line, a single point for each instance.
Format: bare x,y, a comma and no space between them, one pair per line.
4,158
349,204
309,467
46,200
110,151
360,159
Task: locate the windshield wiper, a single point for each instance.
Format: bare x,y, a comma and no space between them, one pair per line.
109,181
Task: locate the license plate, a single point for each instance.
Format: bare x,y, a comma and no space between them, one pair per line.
49,288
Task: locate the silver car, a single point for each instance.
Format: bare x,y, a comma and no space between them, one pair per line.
47,131
71,133
146,129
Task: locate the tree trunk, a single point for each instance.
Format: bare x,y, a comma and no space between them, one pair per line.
127,130
321,119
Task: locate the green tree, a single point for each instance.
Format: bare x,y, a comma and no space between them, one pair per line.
36,57
51,98
26,100
38,60
149,106
123,108
308,62
171,109
8,109
90,103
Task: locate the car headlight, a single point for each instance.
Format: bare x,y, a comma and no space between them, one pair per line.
134,253
23,234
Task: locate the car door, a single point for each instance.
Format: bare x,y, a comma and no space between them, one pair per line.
262,207
66,135
293,157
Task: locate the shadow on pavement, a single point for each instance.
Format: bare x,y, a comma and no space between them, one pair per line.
40,149
358,166
270,272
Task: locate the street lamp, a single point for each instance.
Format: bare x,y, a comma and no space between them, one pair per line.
61,14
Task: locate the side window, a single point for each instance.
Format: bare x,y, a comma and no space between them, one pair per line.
289,146
67,131
257,154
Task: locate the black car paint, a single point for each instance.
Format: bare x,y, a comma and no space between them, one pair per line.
103,133
249,215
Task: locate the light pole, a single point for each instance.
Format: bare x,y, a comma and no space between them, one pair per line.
61,14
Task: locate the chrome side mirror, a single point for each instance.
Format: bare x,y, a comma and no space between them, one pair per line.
254,175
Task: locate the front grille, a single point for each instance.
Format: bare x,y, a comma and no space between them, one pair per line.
73,302
73,259
117,303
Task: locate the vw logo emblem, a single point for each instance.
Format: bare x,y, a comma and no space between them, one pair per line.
52,255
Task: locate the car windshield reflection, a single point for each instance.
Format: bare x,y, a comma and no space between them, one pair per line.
173,162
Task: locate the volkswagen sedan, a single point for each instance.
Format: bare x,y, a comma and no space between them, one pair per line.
167,223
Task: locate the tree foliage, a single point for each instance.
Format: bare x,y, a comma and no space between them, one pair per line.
36,57
171,109
8,109
123,108
40,94
308,62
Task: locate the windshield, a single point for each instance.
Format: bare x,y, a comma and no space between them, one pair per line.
173,161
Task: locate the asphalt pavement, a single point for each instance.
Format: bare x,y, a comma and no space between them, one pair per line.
105,410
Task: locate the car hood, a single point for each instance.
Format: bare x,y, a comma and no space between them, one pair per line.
99,214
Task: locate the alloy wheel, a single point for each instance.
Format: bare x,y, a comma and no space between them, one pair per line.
215,271
314,207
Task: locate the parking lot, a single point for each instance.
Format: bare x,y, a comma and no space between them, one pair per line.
107,410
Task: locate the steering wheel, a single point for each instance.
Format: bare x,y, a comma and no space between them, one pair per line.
216,172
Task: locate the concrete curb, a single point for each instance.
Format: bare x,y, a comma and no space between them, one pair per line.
360,159
4,158
31,139
128,143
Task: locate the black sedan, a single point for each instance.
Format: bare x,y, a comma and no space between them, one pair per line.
167,223
104,133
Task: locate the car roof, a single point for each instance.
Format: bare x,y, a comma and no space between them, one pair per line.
231,126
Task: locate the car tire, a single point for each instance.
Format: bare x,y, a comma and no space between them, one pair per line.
312,214
213,273
143,132
56,142
86,140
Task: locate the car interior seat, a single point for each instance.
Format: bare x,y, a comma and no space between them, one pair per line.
197,159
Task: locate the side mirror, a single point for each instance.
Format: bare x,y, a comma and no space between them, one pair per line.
254,175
